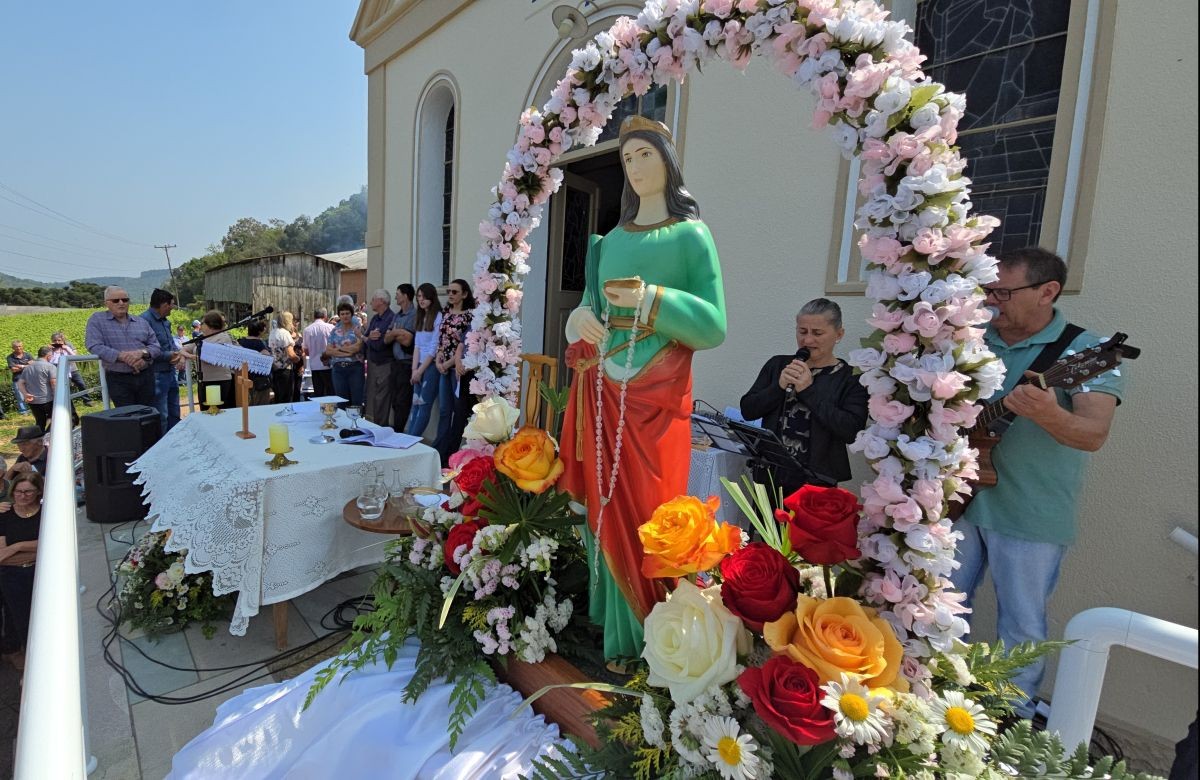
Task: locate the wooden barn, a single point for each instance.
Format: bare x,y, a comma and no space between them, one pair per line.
298,282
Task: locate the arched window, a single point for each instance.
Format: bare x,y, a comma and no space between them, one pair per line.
433,185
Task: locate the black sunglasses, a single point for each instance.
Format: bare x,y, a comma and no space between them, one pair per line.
118,300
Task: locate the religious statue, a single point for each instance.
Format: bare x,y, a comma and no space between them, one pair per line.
653,296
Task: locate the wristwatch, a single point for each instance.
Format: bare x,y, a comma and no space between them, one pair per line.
146,355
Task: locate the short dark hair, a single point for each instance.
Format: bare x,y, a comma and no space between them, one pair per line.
43,351
409,291
159,297
256,328
345,306
1041,265
214,319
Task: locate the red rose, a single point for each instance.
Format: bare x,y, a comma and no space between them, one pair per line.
823,524
463,533
759,584
470,507
474,473
787,696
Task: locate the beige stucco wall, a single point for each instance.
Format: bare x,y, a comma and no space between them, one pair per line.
765,185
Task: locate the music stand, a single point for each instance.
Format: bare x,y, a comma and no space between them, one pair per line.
760,445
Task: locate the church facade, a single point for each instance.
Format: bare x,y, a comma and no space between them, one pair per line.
1077,141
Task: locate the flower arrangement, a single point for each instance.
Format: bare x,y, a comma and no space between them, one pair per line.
493,573
156,595
926,363
755,668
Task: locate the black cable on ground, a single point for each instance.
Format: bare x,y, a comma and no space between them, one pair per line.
113,617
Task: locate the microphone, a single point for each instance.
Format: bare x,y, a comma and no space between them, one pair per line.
801,354
262,313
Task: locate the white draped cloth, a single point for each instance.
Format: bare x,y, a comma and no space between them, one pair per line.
363,728
269,535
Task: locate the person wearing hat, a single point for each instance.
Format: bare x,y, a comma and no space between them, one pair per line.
31,443
195,329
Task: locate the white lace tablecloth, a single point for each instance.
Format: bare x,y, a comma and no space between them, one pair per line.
704,480
269,535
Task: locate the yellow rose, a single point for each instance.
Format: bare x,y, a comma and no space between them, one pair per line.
529,458
682,537
836,636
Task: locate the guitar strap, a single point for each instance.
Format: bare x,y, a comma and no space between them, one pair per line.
1053,351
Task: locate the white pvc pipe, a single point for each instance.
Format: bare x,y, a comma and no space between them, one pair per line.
1081,665
1184,539
50,735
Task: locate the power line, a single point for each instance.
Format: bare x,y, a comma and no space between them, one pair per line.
59,262
86,253
166,248
64,217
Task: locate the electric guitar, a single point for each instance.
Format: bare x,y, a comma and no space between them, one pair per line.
1068,371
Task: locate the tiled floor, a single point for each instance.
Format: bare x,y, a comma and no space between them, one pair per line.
133,737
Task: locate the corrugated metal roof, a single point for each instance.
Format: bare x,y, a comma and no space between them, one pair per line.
354,260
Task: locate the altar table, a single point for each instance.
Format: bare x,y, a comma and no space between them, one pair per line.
269,535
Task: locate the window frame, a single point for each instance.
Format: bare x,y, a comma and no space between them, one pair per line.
1074,158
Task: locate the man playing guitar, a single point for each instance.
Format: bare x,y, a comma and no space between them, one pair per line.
1021,527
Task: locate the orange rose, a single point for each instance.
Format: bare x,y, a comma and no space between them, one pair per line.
836,636
529,458
682,537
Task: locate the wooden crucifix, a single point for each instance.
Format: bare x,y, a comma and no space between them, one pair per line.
242,384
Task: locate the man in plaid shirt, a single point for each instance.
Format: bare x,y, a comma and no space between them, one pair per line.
126,347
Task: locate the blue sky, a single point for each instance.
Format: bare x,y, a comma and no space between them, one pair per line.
165,122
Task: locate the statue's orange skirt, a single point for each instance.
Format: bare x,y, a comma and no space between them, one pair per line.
655,456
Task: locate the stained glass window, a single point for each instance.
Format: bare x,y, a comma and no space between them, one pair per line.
652,105
1006,56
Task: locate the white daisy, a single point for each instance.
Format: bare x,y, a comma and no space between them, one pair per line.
732,752
966,725
856,712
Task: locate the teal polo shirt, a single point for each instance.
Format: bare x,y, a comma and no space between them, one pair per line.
1039,480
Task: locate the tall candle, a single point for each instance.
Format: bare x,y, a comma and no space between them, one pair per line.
277,439
212,395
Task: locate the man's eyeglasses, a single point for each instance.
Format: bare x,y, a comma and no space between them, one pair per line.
1005,293
118,300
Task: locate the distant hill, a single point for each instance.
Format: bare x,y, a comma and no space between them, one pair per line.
16,281
137,286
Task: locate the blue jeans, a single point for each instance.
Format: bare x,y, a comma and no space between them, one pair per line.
166,398
446,401
1024,574
426,393
348,381
22,407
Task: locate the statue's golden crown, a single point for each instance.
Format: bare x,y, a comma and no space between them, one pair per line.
639,122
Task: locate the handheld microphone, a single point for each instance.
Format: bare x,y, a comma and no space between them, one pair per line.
801,354
262,313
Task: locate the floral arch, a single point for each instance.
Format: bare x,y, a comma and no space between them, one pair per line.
925,365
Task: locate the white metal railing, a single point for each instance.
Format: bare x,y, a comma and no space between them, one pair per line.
1081,665
51,737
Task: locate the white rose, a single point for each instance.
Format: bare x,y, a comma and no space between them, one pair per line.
925,116
692,642
493,420
895,95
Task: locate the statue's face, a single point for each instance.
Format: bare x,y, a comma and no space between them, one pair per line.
644,167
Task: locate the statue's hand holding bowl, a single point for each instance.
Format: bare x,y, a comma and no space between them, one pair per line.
624,292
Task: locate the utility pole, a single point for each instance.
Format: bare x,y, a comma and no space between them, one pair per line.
166,248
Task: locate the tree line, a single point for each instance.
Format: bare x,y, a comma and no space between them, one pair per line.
336,229
76,295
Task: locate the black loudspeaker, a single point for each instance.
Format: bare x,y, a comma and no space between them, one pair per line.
111,439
